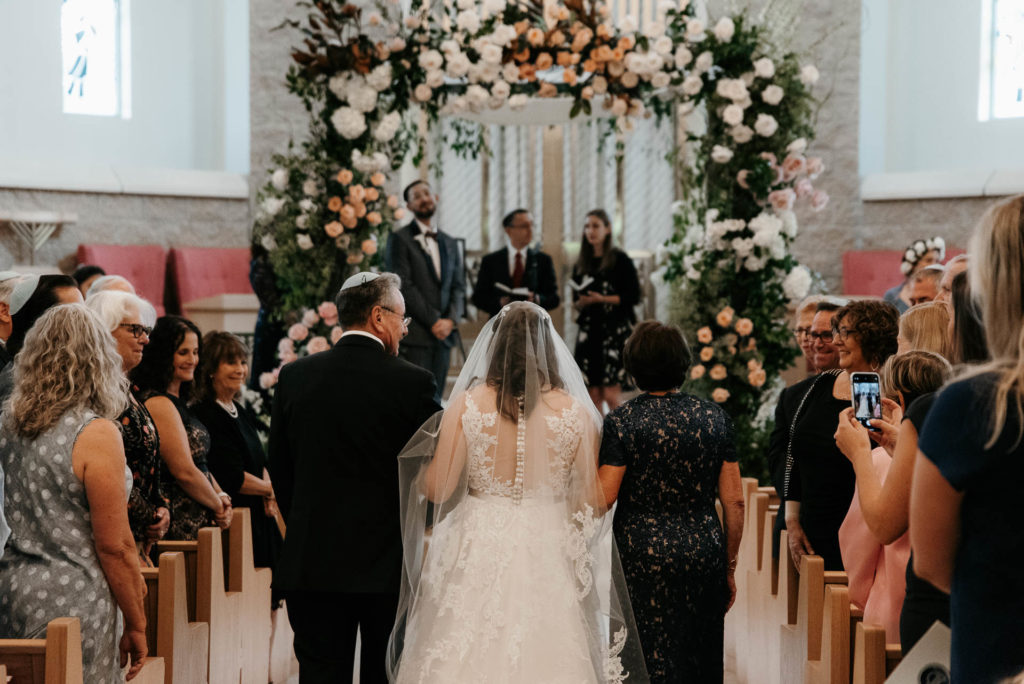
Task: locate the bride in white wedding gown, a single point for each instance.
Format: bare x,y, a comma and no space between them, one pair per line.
510,572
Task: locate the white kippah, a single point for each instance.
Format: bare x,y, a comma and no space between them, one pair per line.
359,279
7,275
23,291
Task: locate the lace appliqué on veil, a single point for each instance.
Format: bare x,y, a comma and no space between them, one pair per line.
613,670
578,533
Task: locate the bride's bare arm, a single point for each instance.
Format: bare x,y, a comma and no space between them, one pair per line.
444,472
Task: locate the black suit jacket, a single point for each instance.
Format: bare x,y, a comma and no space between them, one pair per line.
340,419
538,277
427,297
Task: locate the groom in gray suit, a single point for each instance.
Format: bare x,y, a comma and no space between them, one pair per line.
433,284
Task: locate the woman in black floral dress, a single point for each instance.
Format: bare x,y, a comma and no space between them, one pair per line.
605,290
163,382
665,456
148,515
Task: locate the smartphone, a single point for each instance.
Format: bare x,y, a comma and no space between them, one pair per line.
867,398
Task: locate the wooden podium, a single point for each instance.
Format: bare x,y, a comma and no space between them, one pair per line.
234,313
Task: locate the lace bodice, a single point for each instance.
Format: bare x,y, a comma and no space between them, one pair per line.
543,446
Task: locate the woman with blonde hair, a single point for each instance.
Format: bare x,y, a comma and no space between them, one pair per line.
964,509
925,327
71,551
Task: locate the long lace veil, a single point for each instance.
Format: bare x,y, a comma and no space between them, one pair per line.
509,560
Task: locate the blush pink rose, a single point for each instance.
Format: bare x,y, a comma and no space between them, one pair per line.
804,188
744,326
753,364
724,317
792,166
718,372
369,247
697,372
336,334
706,354
815,167
298,332
757,377
741,179
310,318
782,200
267,380
288,358
318,344
819,200
285,346
328,312
720,395
704,335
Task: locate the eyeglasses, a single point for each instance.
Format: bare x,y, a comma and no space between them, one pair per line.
405,321
136,329
841,333
825,336
801,333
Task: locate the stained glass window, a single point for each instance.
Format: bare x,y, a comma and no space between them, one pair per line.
94,35
1002,91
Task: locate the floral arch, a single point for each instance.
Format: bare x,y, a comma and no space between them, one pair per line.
371,75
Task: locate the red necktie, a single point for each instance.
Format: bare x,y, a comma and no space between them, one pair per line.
517,272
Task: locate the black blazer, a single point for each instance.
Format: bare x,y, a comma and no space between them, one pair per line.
538,277
340,419
427,297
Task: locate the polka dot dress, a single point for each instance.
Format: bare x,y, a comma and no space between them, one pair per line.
50,568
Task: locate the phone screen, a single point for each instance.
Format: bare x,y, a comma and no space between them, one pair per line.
867,398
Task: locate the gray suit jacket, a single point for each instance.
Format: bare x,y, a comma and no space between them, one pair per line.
427,297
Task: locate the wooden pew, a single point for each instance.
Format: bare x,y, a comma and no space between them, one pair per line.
801,642
756,601
220,608
150,606
873,659
57,659
190,551
839,623
184,645
762,611
253,586
736,619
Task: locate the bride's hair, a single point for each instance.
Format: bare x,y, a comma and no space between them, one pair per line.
522,332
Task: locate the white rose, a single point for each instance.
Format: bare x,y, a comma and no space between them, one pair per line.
412,23
279,179
600,85
458,65
397,44
694,28
430,60
380,78
362,97
691,84
778,247
490,72
742,134
339,85
501,90
510,72
619,107
797,283
310,188
765,238
493,6
660,80
654,30
720,154
693,274
369,163
732,88
742,246
491,54
704,61
789,225
388,127
303,241
517,102
724,29
307,205
766,125
423,92
268,242
798,146
683,57
349,122
458,104
450,47
629,79
764,68
733,115
772,95
468,21
302,221
503,33
809,75
435,78
465,4
753,263
628,24
663,45
476,97
765,223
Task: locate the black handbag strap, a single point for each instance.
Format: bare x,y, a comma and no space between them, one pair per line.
792,427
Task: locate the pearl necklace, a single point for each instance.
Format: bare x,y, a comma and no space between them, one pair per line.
229,407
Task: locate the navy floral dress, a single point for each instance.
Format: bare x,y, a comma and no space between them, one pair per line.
187,514
672,546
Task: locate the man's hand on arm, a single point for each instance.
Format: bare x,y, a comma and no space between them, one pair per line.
442,328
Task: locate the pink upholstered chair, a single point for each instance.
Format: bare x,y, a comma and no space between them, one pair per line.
872,273
198,272
143,265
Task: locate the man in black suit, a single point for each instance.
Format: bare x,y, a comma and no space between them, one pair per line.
433,283
340,419
517,266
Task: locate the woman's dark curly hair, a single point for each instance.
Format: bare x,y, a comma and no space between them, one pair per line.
156,370
876,325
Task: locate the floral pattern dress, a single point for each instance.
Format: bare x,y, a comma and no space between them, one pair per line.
187,514
604,328
142,453
672,545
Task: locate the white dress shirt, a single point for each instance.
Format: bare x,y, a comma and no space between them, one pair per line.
512,259
429,246
364,334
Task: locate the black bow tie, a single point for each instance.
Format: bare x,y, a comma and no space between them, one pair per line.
432,234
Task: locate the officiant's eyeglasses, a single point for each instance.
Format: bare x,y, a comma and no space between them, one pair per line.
405,321
136,329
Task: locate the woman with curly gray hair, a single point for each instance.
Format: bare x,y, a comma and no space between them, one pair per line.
62,453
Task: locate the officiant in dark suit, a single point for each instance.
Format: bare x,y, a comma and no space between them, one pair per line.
433,283
340,419
514,267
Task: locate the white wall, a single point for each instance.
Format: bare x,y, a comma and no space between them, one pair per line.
920,76
189,89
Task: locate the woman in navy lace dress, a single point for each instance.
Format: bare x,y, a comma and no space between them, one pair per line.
665,456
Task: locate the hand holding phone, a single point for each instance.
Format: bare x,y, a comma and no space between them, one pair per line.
867,398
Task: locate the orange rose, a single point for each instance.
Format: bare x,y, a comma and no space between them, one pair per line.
360,209
373,218
344,176
334,204
602,54
604,31
718,372
562,14
399,214
618,54
369,247
757,378
372,194
555,39
522,55
744,326
590,65
535,37
563,59
720,395
521,26
334,229
347,216
569,76
697,372
357,193
547,90
587,93
544,61
393,201
350,222
581,39
378,179
724,317
626,43
527,72
706,354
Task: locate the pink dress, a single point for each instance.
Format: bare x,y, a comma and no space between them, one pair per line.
876,572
